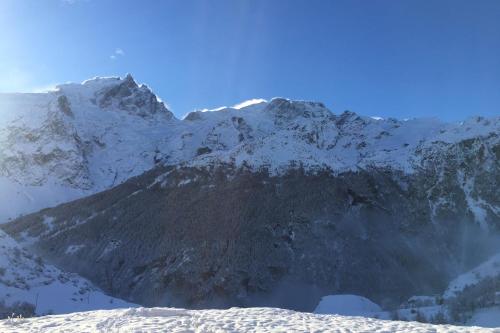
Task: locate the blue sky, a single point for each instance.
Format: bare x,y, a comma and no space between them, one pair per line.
392,58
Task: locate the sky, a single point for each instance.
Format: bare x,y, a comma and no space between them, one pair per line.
390,58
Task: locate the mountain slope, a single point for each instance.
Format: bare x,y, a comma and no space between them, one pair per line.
28,284
488,269
225,236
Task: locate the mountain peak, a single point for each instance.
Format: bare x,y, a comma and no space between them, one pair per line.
285,108
99,82
129,77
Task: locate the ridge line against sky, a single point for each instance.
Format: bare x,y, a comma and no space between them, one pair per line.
402,59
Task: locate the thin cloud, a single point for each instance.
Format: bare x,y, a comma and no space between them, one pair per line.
71,2
118,53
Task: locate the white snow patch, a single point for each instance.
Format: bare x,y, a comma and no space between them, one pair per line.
184,182
48,221
72,249
346,305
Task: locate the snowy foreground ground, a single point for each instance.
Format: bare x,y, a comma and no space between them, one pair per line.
232,320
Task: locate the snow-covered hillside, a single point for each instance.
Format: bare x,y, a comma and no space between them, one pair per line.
85,138
26,279
488,269
231,320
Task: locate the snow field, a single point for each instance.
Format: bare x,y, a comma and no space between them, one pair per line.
231,320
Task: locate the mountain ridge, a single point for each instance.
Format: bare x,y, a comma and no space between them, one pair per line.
85,138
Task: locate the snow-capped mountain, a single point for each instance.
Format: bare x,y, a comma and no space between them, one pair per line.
281,132
235,206
75,141
84,138
29,285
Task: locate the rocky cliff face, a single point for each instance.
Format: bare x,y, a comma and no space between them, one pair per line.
243,204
